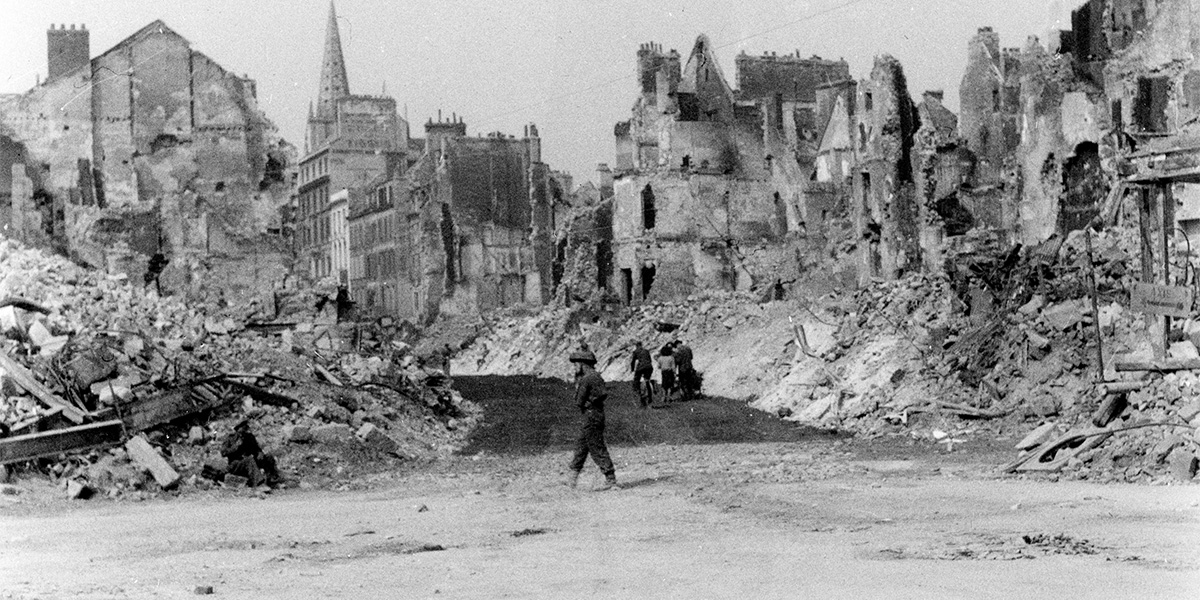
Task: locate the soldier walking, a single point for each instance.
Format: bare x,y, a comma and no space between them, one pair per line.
589,397
643,371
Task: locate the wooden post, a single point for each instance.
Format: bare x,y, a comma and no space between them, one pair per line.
1167,200
1087,233
1146,221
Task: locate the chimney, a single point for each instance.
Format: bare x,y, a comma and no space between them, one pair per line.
606,180
67,50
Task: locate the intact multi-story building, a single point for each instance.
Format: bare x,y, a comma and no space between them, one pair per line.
352,140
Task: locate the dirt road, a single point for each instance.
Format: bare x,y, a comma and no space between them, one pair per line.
708,510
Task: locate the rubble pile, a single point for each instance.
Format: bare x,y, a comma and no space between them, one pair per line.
1002,343
742,345
90,363
1005,344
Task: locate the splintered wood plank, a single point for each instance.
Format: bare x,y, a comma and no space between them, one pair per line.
24,378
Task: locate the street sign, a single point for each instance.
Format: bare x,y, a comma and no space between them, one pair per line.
1161,300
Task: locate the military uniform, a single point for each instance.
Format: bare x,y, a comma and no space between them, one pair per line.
590,394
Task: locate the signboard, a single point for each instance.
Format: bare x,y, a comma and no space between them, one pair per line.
1161,300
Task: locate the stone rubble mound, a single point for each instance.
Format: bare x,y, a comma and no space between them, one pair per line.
111,361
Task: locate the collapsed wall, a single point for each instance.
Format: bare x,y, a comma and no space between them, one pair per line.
151,149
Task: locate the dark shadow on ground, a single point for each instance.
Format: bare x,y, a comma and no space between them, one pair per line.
527,415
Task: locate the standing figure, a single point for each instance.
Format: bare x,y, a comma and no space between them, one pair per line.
666,366
590,395
687,372
643,370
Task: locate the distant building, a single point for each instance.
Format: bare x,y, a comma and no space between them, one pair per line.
460,232
339,236
884,209
352,140
708,181
150,149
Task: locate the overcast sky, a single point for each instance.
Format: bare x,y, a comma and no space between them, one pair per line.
566,65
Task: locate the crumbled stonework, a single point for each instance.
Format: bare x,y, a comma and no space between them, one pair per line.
150,148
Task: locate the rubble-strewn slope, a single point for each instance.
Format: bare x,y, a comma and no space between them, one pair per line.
329,409
1002,344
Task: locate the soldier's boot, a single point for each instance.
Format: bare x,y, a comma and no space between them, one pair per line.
610,483
572,479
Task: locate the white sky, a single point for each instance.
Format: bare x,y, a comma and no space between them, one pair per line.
566,65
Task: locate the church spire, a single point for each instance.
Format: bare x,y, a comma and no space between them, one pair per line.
333,70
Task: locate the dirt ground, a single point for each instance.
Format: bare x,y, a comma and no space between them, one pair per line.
717,501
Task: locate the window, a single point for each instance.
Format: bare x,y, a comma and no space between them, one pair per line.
1150,108
647,280
649,213
868,101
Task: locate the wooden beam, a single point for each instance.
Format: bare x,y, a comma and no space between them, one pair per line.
1166,364
51,443
167,406
1119,387
24,378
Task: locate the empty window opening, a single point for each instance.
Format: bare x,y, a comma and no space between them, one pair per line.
868,101
603,263
996,99
649,213
955,217
1084,188
647,280
687,161
1150,110
866,188
627,285
448,245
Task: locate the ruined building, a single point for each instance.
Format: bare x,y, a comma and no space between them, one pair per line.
351,141
465,229
884,207
708,180
1047,125
148,154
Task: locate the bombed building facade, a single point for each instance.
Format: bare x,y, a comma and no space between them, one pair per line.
464,230
149,159
708,180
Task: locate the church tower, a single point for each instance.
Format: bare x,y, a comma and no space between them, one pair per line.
334,85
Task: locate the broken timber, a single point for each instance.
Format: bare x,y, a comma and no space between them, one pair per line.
51,443
24,378
1165,364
